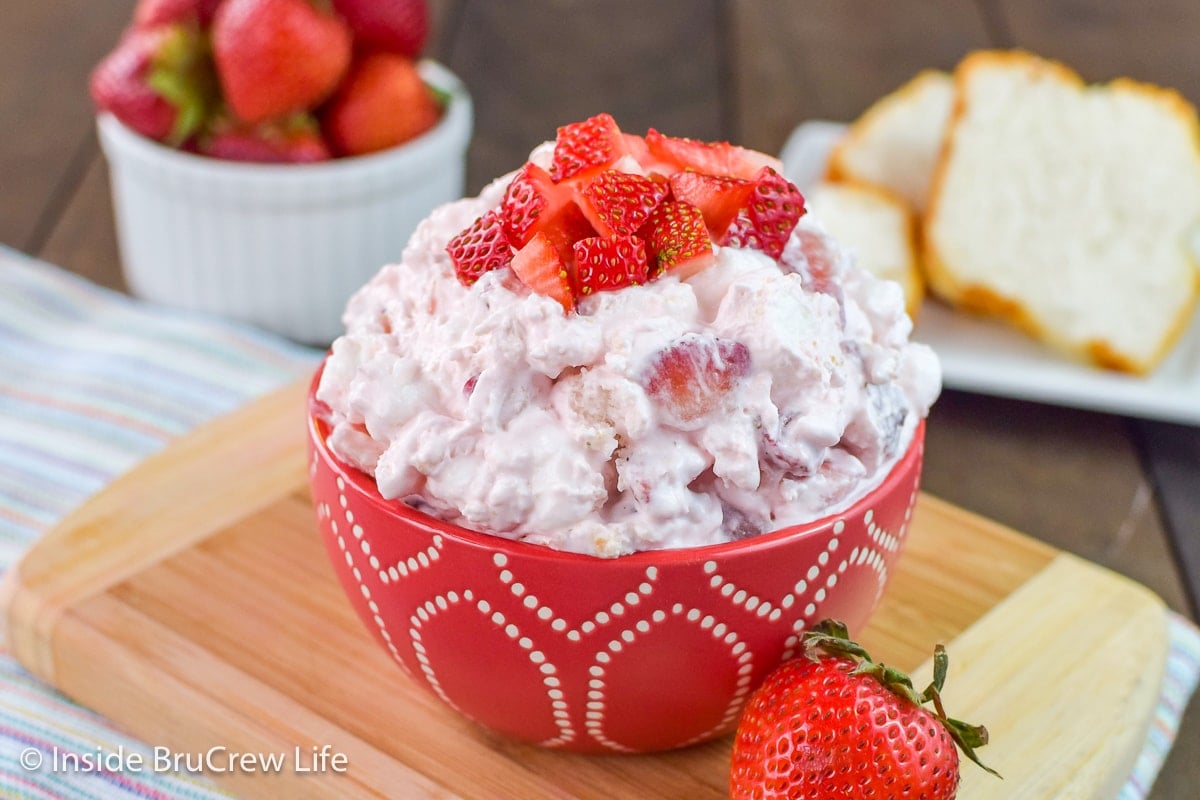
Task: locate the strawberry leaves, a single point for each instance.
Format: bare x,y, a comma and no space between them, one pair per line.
965,735
831,637
159,82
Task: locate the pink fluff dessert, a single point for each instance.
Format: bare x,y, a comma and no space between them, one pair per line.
631,343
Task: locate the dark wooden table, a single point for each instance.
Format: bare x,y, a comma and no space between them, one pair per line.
1123,492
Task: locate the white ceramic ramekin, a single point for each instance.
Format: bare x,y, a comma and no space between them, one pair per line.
279,246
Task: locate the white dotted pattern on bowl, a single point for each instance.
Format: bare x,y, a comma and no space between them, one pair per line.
618,625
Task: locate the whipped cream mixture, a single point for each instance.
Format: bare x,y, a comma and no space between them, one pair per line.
752,396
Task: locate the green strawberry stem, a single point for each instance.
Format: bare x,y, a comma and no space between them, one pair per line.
831,637
440,96
182,72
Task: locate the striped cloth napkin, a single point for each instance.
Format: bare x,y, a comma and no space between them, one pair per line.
91,382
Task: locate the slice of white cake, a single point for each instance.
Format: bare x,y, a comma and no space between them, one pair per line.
895,143
1068,209
878,227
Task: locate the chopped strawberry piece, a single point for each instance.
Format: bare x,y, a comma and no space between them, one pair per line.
531,201
534,204
719,198
618,202
713,158
636,146
566,228
590,145
691,376
562,231
638,151
815,263
480,248
604,263
768,220
541,268
677,240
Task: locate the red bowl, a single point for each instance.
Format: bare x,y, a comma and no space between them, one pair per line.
645,652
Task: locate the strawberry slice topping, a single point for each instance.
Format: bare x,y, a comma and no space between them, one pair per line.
636,147
713,158
541,268
562,231
480,248
767,221
566,228
531,201
590,145
604,263
620,203
678,240
719,198
615,209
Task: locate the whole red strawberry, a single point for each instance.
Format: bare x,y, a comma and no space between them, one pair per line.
835,724
291,140
382,102
277,57
399,26
158,82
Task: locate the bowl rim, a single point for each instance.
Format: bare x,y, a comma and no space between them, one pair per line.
364,485
454,128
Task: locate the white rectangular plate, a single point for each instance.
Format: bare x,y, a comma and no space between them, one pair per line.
990,358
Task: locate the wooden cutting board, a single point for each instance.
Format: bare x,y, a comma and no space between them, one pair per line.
192,603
